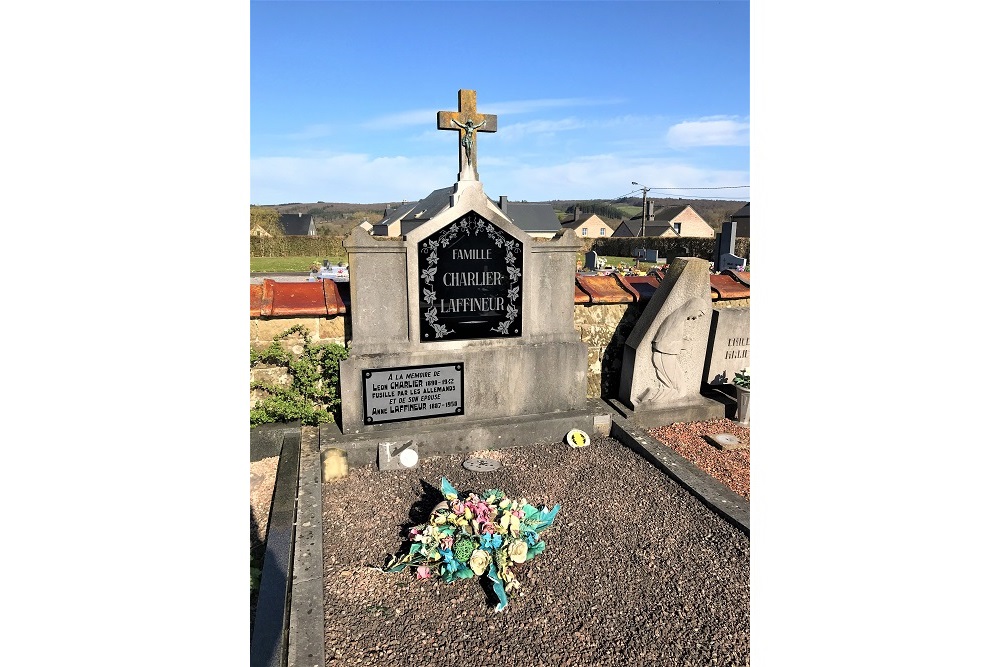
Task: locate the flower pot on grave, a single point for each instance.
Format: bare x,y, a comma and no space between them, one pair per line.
742,405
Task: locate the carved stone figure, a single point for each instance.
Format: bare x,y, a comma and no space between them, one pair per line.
668,343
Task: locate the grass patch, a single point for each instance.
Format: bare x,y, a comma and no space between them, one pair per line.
281,264
629,262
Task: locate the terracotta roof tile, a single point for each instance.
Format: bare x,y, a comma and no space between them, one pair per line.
643,285
256,296
740,276
725,286
606,289
334,304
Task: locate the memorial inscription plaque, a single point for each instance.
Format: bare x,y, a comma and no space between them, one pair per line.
470,280
413,392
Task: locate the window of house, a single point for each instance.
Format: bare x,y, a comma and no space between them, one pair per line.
603,230
677,227
583,231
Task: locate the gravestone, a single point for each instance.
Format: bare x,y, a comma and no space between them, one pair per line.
651,256
592,261
728,345
664,356
725,246
731,262
462,334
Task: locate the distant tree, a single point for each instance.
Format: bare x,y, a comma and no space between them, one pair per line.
267,217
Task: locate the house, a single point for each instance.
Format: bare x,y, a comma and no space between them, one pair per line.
670,221
404,218
742,220
588,225
538,220
297,224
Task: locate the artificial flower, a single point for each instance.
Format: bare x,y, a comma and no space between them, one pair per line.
479,561
518,551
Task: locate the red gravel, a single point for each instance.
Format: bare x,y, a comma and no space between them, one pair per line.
688,439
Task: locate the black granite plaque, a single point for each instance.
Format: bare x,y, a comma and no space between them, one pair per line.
470,279
413,392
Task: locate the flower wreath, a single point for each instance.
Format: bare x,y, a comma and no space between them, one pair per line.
473,535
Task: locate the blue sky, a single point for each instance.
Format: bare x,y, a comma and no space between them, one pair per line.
589,96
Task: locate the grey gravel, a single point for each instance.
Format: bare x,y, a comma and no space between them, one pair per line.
635,571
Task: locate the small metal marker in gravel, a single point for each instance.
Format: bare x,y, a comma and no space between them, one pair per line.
727,441
476,464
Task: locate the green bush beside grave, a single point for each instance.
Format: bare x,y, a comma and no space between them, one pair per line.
311,393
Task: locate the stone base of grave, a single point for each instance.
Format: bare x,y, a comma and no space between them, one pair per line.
692,409
469,436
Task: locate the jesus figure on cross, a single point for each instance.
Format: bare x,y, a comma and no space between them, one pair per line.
469,127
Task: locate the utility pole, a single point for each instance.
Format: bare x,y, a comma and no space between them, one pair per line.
642,228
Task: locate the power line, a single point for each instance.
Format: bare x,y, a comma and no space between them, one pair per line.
719,187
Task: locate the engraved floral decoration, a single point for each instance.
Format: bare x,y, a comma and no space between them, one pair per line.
476,534
470,225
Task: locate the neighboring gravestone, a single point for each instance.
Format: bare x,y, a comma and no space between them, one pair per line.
591,260
651,256
664,356
462,334
731,262
725,246
728,345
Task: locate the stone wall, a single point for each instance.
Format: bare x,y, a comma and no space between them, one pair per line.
321,329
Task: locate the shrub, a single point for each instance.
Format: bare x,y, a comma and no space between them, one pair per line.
313,393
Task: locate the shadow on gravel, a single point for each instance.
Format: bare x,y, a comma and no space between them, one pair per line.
418,515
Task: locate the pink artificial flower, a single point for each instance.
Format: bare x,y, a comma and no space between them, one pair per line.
423,572
447,542
414,532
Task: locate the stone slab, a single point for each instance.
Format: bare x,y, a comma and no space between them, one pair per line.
726,441
266,439
469,436
692,409
728,345
306,636
268,647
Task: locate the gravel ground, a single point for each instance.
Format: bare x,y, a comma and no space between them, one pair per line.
262,476
688,439
636,570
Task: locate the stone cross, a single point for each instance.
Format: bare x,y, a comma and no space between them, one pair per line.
467,122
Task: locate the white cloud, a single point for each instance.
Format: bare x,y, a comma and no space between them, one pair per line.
711,131
363,179
420,116
402,119
518,131
349,178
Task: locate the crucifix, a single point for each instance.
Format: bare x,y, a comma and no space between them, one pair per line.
467,122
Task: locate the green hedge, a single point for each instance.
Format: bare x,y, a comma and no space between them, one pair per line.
668,247
296,246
